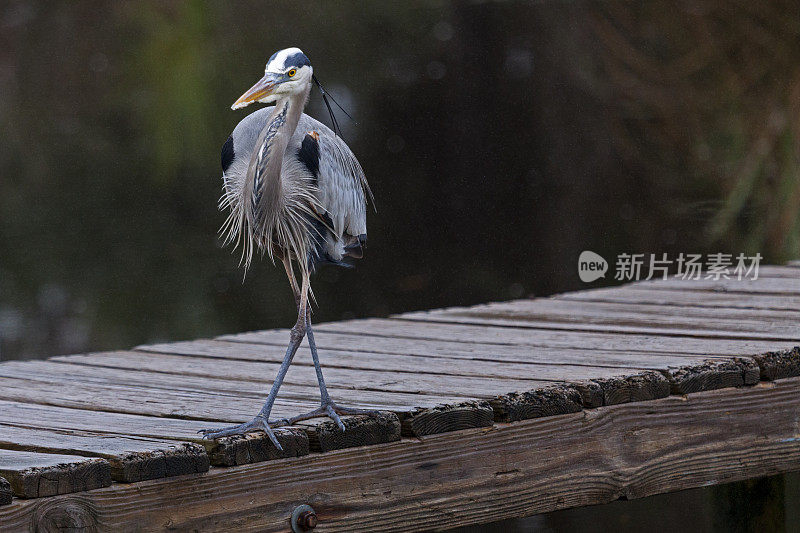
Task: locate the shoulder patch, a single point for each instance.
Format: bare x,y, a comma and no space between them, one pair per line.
227,154
309,153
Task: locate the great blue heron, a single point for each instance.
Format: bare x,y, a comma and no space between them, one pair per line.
295,191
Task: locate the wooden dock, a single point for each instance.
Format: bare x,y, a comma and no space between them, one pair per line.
489,412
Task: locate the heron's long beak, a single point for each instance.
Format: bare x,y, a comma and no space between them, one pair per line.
263,87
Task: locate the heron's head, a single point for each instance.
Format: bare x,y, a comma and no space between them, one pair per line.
288,73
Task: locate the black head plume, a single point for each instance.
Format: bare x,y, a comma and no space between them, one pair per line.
325,95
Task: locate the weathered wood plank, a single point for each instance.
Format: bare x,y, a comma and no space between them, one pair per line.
138,400
634,388
5,491
498,378
789,270
627,312
374,328
779,364
478,475
568,398
35,475
109,392
181,393
440,357
657,329
131,459
631,318
713,375
716,300
256,447
473,414
534,346
615,384
222,452
763,285
178,369
547,401
360,430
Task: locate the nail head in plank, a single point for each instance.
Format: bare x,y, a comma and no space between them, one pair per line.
36,475
444,418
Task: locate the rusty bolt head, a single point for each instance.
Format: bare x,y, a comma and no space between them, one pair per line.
307,520
303,518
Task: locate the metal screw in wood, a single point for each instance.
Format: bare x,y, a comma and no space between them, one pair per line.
303,519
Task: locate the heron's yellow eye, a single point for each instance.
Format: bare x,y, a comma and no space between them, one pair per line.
292,72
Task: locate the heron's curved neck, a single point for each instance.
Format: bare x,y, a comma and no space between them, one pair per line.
265,166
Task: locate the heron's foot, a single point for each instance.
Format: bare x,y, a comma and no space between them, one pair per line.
259,423
332,411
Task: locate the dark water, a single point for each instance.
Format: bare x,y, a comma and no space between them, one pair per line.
500,138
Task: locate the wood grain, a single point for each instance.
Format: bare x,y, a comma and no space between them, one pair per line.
547,401
437,357
380,336
622,318
5,491
763,285
633,342
361,430
685,298
35,475
594,456
634,388
713,375
182,396
131,459
238,375
222,452
779,364
441,419
256,447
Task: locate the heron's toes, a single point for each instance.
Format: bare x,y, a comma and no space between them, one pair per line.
334,416
334,412
256,424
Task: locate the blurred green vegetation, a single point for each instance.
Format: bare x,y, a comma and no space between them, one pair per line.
501,139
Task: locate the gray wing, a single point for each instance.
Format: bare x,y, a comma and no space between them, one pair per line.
343,188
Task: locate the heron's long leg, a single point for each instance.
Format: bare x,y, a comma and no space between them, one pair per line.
261,420
327,406
287,264
323,390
